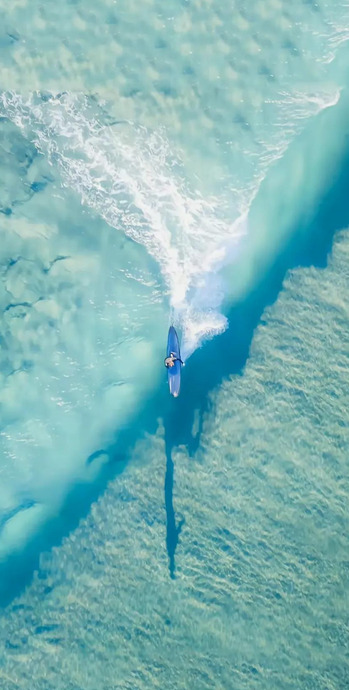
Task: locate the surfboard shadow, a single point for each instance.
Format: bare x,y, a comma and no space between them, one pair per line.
173,528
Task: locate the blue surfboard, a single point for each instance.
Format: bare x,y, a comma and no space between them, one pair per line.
174,373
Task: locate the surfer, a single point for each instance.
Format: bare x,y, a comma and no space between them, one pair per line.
173,362
170,361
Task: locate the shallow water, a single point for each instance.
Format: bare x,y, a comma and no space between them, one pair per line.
187,163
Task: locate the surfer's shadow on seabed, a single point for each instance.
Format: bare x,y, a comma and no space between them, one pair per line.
173,526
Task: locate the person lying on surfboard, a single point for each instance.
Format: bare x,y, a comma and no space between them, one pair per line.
169,361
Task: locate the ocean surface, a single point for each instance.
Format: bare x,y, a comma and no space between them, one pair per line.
179,162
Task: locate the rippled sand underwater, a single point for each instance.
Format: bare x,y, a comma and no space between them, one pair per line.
190,157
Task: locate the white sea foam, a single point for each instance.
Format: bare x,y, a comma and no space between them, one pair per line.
128,176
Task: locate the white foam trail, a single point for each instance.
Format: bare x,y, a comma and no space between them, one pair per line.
128,176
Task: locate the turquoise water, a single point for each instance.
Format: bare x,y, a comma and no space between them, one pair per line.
187,162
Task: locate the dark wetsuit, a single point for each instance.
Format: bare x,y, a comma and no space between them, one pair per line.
174,359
